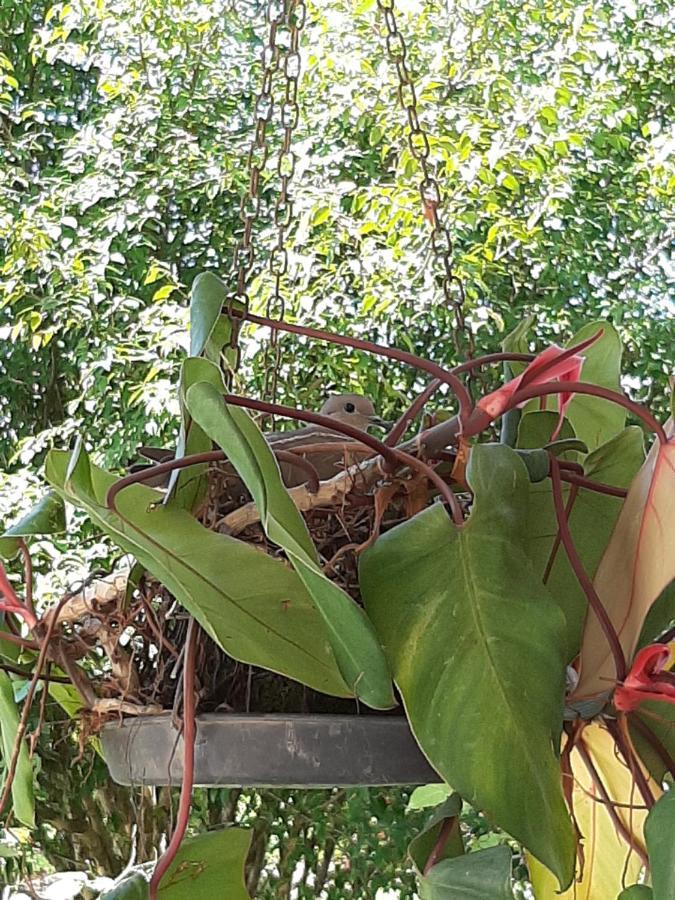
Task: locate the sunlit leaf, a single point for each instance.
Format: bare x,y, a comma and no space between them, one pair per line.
609,863
208,866
46,517
23,804
637,565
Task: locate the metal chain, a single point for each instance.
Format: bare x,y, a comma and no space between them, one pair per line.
430,191
296,13
249,209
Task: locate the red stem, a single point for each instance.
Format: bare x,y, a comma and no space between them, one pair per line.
556,543
409,414
444,375
611,811
654,742
393,456
491,358
595,390
189,736
447,828
631,760
582,575
589,484
27,574
28,702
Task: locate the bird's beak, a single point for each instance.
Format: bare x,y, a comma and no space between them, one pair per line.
379,423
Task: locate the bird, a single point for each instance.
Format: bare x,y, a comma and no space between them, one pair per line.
349,409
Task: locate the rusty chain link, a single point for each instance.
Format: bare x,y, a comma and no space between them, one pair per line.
430,191
296,13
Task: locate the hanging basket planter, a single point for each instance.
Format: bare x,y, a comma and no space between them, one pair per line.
310,751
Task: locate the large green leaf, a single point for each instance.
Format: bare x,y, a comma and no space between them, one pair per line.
660,836
254,606
591,521
355,644
23,803
475,643
46,517
484,875
209,866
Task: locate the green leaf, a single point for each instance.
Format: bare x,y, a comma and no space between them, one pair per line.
429,795
475,643
208,297
423,843
484,875
594,420
23,803
132,887
208,866
660,837
535,429
636,892
187,487
251,604
591,521
46,517
355,644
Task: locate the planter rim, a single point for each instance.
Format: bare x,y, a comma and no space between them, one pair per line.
268,750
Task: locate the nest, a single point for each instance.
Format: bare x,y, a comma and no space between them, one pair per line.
134,635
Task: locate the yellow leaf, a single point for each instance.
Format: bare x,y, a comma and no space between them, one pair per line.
609,863
638,563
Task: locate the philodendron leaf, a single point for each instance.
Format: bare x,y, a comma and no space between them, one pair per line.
660,835
591,520
445,815
484,875
638,563
636,892
207,299
475,644
187,487
46,517
352,636
429,795
594,420
608,860
23,804
252,605
208,866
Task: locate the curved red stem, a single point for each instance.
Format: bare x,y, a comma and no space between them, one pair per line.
189,735
597,486
594,390
444,375
582,575
611,811
393,456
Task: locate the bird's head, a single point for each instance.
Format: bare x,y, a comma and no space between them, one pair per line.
352,409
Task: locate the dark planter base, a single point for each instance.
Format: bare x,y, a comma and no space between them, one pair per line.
269,751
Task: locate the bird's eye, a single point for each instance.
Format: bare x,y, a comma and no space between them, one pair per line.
349,407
